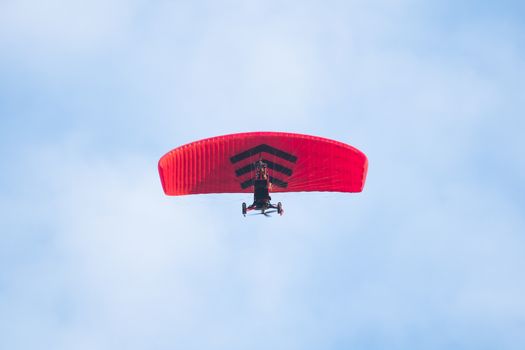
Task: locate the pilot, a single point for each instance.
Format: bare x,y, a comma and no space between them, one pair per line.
261,185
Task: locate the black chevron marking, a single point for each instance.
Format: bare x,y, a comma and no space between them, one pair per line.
273,180
263,148
270,164
247,183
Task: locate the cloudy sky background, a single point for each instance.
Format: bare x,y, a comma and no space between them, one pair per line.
429,256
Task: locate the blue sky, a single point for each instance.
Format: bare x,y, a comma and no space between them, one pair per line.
429,256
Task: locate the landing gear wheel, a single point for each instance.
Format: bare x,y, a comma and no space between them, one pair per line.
279,208
244,209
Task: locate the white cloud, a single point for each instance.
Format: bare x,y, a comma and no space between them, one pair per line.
63,27
98,255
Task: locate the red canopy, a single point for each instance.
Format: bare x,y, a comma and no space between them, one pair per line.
225,164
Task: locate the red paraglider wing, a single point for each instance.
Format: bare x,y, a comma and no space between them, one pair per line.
225,164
